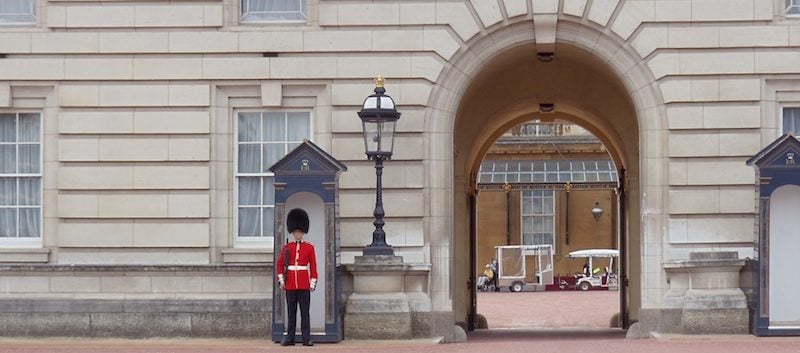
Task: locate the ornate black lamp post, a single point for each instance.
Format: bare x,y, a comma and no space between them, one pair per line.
378,116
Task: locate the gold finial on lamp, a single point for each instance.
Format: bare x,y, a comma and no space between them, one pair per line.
379,81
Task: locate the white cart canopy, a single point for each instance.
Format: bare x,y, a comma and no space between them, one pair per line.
594,253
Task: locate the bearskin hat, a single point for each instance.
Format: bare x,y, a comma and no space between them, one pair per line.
297,219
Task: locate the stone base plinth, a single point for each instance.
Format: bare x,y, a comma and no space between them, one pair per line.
389,299
378,316
704,297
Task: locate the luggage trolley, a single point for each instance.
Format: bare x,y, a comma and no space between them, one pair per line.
515,262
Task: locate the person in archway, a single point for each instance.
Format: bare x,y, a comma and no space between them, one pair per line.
297,275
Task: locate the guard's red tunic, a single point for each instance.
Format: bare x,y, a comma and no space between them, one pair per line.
302,265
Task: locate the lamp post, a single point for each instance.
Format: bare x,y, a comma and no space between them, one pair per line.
378,117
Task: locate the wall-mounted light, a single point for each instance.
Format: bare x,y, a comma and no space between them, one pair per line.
545,57
597,211
546,107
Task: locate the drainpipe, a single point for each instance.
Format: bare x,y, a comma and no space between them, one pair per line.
507,190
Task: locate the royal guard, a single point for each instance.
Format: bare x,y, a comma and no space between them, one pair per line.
297,275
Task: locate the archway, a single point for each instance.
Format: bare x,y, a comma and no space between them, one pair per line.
494,85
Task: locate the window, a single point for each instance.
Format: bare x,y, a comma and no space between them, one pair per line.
793,7
17,12
791,120
20,177
538,217
263,138
274,10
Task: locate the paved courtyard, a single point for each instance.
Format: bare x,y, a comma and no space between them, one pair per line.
557,322
562,309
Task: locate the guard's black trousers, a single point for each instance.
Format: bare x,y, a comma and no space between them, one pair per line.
294,297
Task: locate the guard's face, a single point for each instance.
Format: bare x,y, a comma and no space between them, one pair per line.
298,234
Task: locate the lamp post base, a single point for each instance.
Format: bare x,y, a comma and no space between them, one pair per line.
378,250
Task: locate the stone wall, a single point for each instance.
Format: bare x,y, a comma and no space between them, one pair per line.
136,301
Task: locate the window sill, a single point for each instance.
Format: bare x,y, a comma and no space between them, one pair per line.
22,255
247,255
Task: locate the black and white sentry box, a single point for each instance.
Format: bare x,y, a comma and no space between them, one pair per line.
308,178
777,281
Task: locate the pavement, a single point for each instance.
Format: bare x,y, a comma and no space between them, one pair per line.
557,322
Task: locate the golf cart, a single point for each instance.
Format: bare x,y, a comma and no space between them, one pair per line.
516,262
593,278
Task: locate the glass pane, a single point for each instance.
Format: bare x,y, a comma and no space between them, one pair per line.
8,222
299,126
513,166
538,166
274,127
547,206
547,224
538,177
537,206
527,206
8,191
8,128
512,178
249,127
564,176
249,158
249,191
525,166
8,159
525,178
29,127
249,222
269,191
551,177
29,159
371,134
578,177
269,221
590,177
387,136
551,166
485,178
273,152
527,224
30,191
29,222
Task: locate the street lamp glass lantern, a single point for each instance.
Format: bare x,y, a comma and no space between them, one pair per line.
597,211
379,117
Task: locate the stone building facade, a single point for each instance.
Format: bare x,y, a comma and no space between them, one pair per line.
135,134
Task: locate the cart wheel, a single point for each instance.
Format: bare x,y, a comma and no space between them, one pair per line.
516,287
585,286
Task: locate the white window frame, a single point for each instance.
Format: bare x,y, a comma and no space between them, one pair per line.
27,242
250,17
32,15
792,4
260,241
783,109
523,215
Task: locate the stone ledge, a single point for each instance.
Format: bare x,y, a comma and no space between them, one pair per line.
82,306
23,255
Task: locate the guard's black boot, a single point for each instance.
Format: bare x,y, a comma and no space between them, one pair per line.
308,343
287,342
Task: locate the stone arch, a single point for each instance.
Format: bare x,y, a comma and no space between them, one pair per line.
449,165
